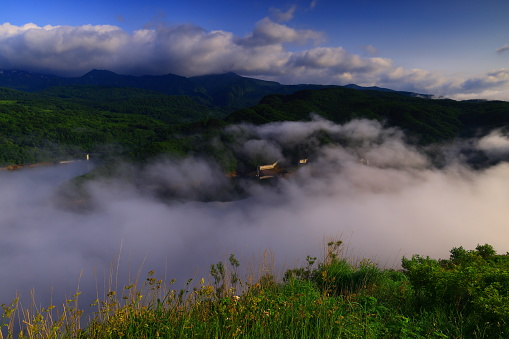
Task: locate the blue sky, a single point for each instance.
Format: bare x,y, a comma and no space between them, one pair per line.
458,49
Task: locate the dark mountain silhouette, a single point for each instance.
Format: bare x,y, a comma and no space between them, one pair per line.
167,84
26,81
227,92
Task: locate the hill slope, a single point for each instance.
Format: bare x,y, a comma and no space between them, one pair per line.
227,92
427,119
59,121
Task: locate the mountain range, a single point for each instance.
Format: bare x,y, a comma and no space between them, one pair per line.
227,91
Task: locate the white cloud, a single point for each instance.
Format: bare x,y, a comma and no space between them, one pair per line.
370,50
491,85
61,48
281,16
503,48
190,50
498,94
491,79
495,145
267,32
337,60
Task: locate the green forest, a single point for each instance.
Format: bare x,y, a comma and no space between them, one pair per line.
37,127
65,122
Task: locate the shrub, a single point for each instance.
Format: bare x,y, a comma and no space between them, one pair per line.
474,283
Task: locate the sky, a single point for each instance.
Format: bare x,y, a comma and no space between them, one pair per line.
457,49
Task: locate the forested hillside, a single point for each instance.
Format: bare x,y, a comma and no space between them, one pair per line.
426,120
66,121
35,128
224,92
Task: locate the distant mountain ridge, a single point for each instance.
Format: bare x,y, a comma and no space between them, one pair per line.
228,91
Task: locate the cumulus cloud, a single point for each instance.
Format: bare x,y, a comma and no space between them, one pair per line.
503,48
61,48
491,79
490,85
337,60
267,32
281,16
371,50
185,49
190,50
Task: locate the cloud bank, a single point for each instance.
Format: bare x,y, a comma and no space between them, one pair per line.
383,197
273,51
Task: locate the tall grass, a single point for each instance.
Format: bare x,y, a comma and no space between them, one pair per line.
330,298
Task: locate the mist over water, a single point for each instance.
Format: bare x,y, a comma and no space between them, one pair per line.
366,186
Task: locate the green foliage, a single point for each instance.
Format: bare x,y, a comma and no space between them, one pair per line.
339,277
168,108
67,120
327,299
425,120
474,283
226,280
46,129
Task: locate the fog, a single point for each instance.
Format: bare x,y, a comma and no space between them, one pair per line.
384,198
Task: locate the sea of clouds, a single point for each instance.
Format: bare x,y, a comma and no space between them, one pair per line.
383,197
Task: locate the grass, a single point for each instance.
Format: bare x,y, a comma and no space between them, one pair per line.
462,297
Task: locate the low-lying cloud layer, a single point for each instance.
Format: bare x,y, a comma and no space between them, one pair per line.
273,51
384,198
